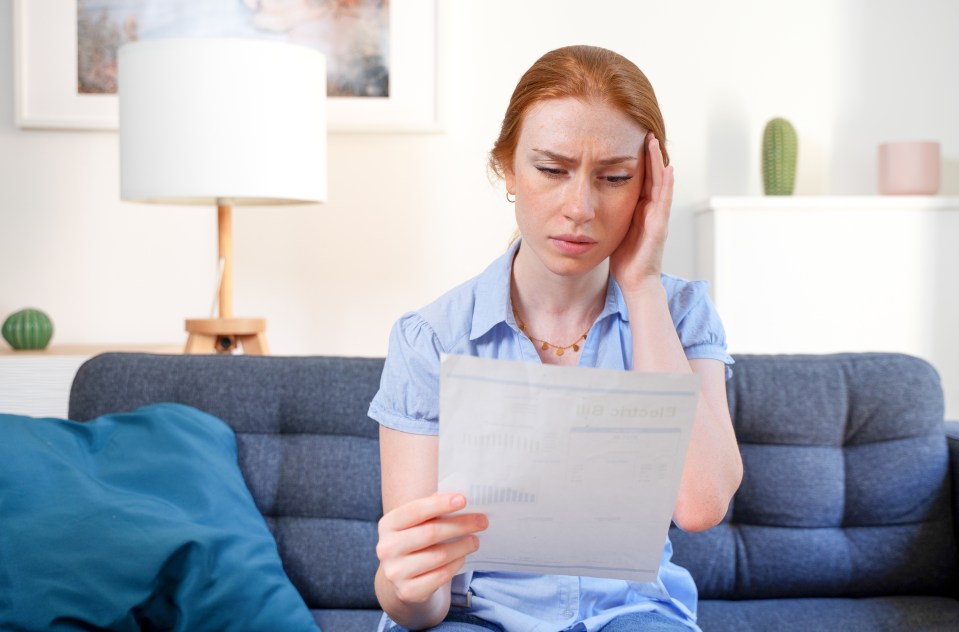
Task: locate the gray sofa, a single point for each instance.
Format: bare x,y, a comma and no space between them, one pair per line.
846,518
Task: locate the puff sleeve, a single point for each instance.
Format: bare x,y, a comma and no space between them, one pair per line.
408,397
697,322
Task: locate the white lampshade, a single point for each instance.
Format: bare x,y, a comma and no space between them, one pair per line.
206,119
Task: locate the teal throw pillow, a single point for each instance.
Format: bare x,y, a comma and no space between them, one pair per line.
136,521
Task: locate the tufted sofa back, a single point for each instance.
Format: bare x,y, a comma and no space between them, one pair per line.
307,450
845,490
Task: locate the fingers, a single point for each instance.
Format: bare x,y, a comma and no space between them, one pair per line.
421,545
655,163
660,185
423,509
648,167
427,534
639,255
428,567
419,589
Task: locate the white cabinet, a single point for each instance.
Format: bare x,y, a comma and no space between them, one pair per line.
831,274
37,383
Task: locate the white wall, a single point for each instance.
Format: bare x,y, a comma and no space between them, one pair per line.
410,215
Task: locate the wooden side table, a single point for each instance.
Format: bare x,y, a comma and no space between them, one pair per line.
37,383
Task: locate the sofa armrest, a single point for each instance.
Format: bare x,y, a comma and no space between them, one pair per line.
952,442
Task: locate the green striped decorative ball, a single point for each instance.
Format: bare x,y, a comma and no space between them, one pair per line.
28,329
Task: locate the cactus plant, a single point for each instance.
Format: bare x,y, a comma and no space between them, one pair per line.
780,147
28,329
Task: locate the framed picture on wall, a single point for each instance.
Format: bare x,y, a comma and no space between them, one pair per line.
381,54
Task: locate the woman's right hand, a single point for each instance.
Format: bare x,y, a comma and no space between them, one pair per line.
422,547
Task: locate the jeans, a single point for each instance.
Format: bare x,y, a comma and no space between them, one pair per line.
456,622
645,621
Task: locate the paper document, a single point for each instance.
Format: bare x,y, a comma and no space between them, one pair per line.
577,469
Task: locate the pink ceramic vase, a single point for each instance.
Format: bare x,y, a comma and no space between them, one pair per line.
909,168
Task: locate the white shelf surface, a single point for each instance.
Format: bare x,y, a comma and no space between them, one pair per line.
836,274
772,203
37,383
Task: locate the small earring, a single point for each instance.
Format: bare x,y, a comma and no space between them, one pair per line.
509,200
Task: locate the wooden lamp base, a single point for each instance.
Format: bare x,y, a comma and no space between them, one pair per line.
225,335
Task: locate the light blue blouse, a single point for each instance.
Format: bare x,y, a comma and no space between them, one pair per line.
476,318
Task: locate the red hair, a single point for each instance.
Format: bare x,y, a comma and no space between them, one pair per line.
585,73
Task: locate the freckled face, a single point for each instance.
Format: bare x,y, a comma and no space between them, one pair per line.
576,175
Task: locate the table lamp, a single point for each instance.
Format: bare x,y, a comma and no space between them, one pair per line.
222,122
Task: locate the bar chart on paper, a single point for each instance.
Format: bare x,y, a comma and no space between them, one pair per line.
491,495
503,439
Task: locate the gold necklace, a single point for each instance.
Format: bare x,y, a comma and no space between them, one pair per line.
560,349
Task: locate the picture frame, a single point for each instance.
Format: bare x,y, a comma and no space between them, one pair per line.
45,68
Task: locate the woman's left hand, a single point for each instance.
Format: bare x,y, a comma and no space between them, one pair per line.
639,258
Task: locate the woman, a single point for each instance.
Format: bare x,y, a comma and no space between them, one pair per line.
581,154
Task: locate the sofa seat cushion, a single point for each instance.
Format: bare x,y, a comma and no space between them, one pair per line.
135,521
930,614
